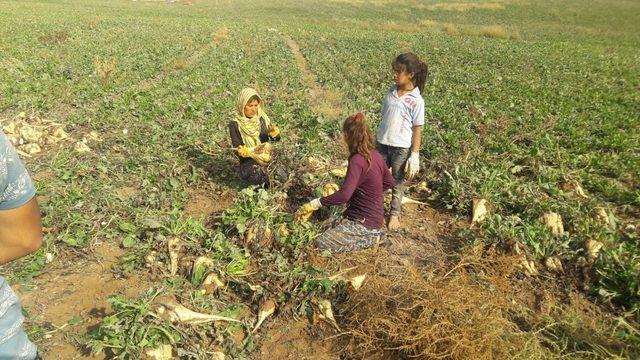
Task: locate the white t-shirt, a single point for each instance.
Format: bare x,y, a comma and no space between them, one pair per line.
399,116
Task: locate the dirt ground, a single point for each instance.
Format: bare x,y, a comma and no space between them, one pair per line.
293,340
71,296
75,292
425,237
201,204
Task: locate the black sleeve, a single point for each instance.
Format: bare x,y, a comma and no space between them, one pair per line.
234,132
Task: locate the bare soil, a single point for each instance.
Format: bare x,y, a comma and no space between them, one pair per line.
71,298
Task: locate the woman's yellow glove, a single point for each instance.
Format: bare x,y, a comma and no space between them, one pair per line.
264,148
305,211
244,151
261,153
273,131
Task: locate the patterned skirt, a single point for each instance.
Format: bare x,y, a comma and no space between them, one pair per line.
348,235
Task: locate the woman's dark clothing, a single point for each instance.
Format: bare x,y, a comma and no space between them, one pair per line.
251,173
363,190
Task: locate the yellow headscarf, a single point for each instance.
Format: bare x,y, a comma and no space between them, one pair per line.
250,127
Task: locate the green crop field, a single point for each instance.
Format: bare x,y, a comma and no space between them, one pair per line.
533,106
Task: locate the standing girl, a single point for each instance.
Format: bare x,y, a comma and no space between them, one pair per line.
399,133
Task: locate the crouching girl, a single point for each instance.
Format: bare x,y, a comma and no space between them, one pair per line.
367,178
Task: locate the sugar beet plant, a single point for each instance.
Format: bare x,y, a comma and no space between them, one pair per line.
505,124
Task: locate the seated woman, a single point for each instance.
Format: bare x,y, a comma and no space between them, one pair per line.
250,132
367,178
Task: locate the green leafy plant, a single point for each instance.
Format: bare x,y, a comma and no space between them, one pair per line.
253,204
131,328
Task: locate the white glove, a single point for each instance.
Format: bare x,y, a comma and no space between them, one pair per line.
304,213
315,204
413,165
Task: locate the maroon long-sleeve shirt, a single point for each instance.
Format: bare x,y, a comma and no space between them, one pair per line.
363,189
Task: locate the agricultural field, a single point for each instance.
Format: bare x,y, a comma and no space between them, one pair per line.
120,111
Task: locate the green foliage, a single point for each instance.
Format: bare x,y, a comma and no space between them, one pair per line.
619,270
300,234
131,328
220,248
253,204
507,119
504,120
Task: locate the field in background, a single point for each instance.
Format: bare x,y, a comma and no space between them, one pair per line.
525,101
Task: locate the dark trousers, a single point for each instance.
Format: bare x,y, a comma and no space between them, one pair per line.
396,158
253,174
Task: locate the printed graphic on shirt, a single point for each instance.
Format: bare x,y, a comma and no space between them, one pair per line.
399,116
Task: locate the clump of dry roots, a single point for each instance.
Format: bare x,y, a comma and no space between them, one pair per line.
31,135
285,170
297,175
461,313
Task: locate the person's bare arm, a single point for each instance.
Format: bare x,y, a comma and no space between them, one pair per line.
416,138
20,231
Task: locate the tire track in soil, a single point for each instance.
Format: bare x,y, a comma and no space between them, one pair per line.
325,102
217,39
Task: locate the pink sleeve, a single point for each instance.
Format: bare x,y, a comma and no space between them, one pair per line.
351,182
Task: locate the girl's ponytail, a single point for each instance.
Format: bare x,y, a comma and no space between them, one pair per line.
421,76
